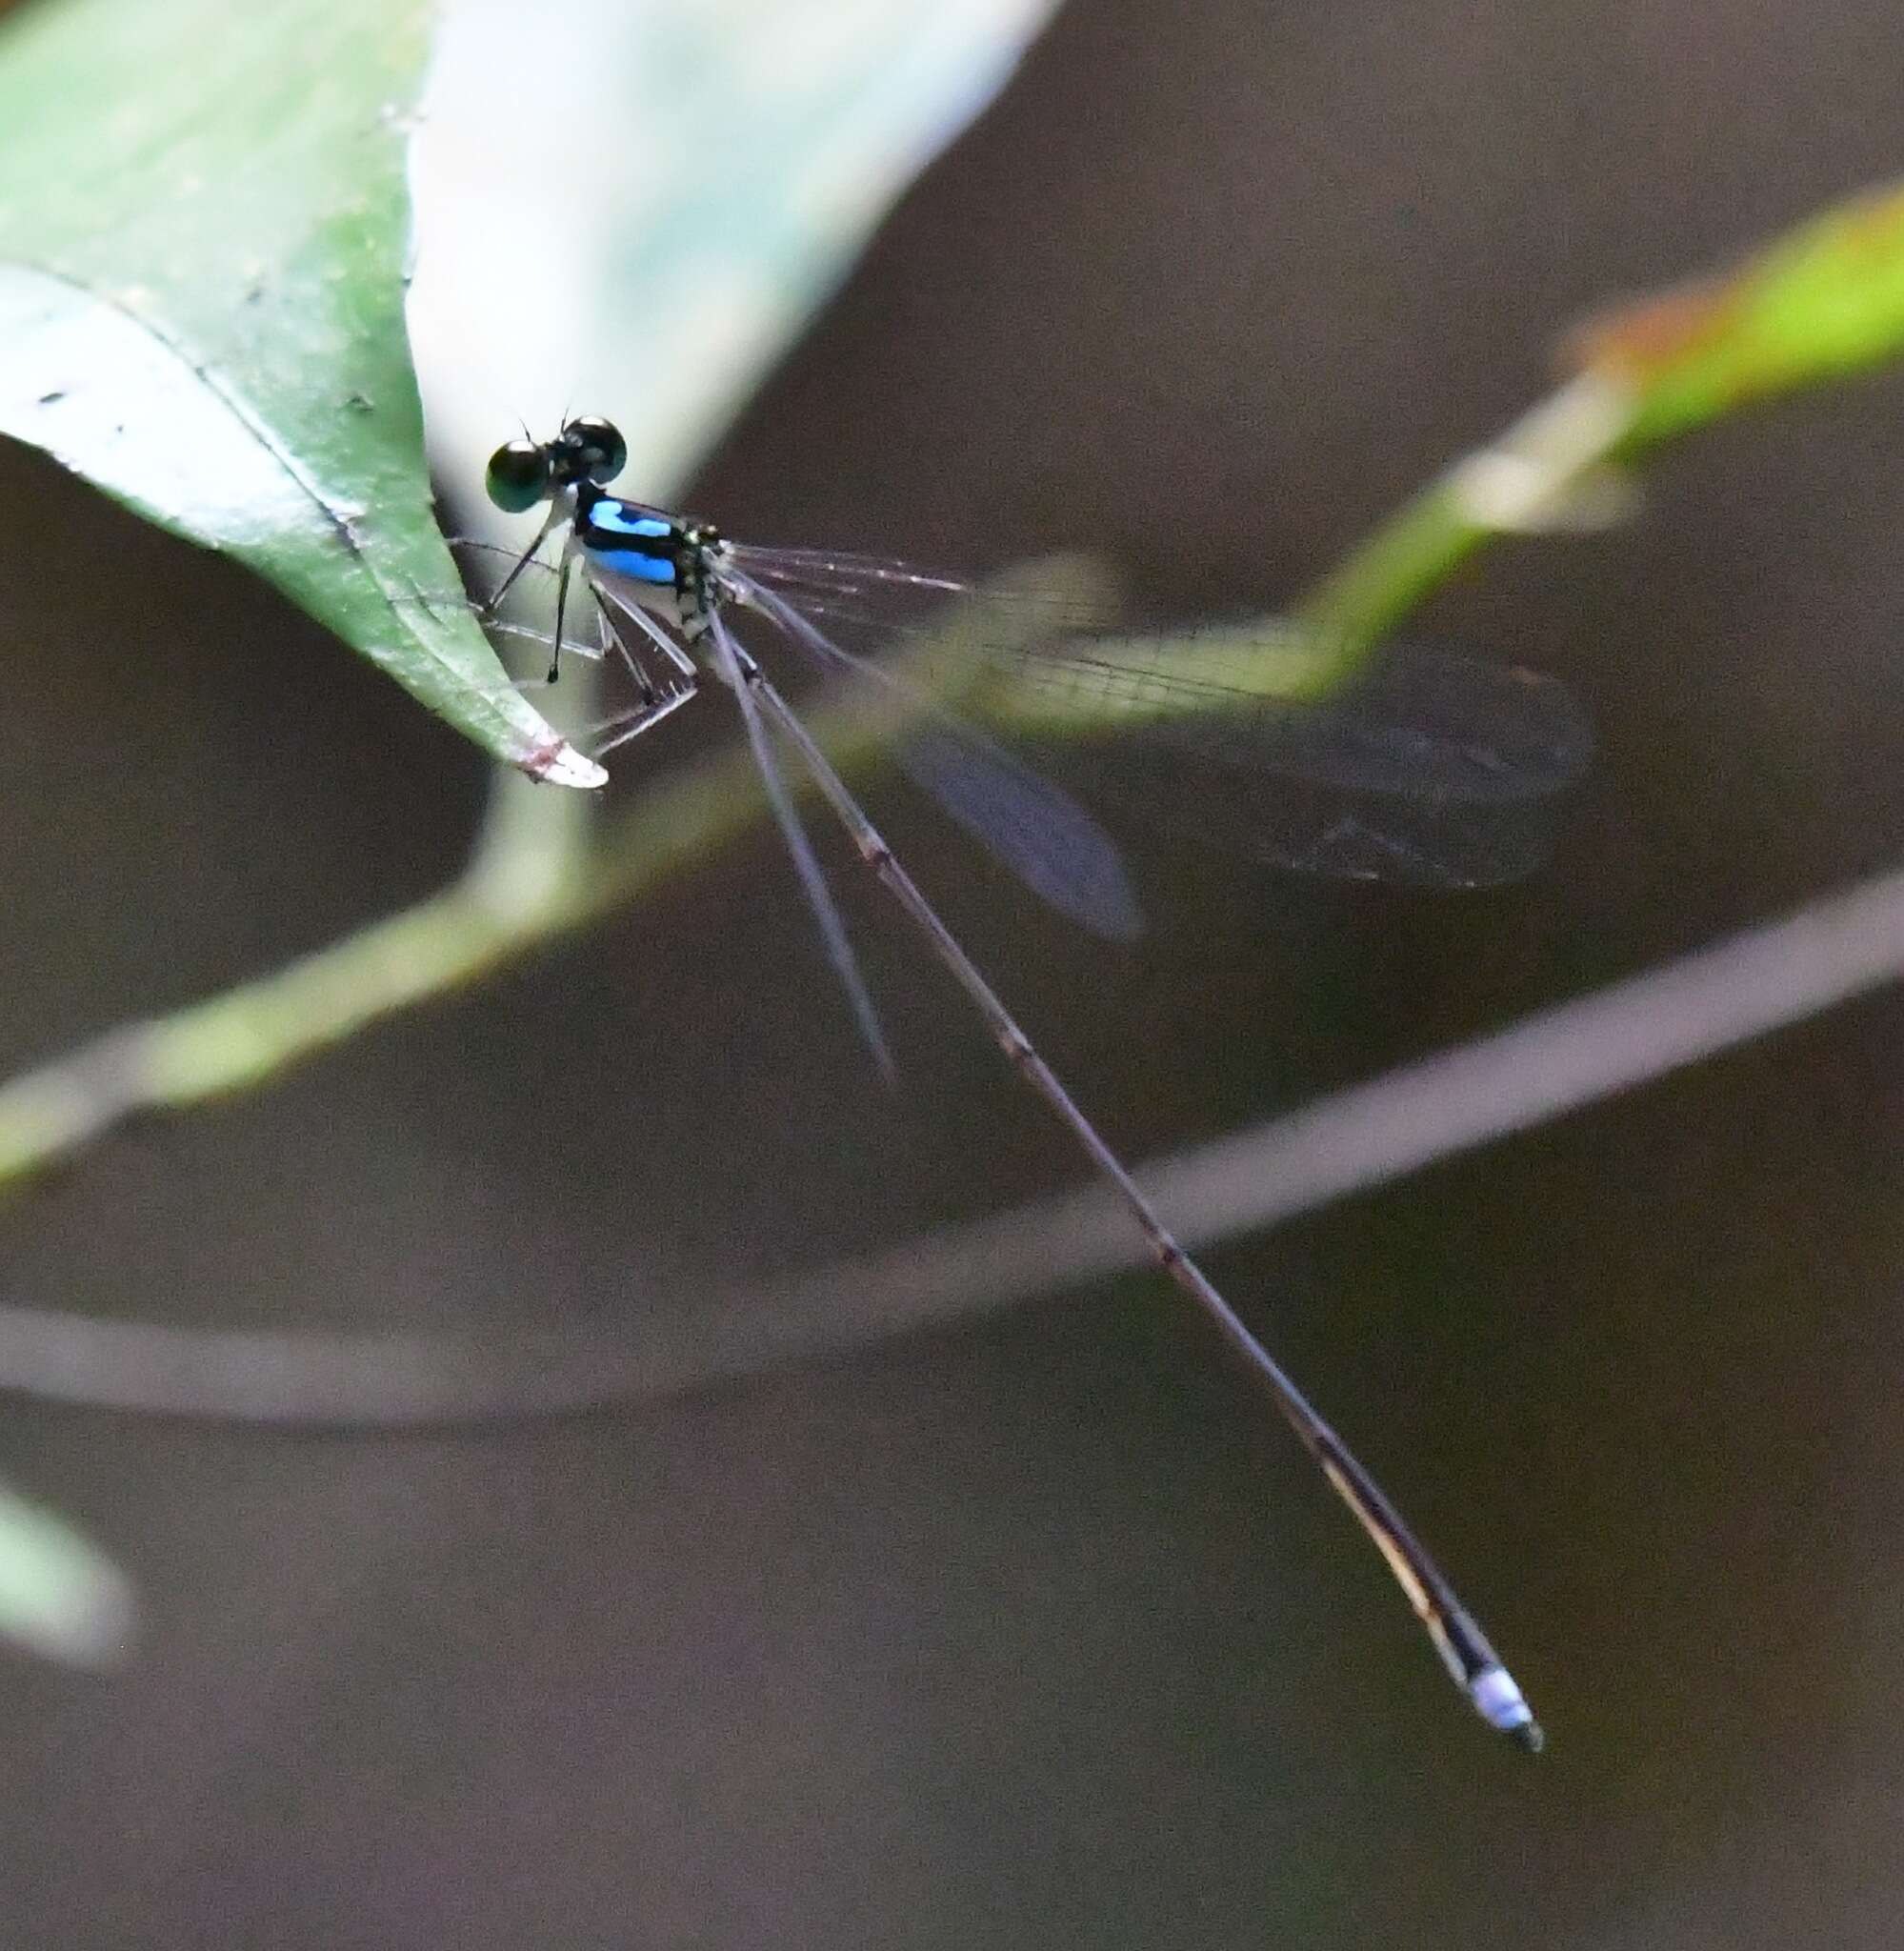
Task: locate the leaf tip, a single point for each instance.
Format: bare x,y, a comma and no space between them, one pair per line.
60,1595
558,763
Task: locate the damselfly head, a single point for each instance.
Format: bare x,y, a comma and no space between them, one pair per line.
522,472
518,476
589,447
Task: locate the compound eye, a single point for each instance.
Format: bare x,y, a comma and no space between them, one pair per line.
517,477
598,448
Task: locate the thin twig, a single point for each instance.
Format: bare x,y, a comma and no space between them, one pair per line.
531,880
1556,1062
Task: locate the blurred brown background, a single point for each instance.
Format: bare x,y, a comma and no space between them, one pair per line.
1036,1632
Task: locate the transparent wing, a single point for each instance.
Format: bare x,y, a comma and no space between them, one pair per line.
1041,834
806,862
1430,770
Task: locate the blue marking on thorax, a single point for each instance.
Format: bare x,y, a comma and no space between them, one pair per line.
612,533
644,569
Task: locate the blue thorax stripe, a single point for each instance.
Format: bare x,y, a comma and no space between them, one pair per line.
613,534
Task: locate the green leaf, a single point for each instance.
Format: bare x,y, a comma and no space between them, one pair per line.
58,1594
203,219
754,146
1820,303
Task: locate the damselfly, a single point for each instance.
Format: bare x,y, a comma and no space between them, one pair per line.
669,593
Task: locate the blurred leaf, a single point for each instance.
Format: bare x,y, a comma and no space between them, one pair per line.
1823,301
753,147
202,231
58,1594
762,178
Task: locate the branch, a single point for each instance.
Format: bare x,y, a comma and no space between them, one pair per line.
1553,1062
